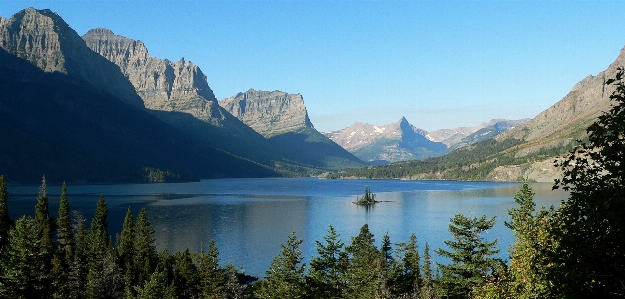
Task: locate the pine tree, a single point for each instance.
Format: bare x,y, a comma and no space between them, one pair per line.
5,220
328,269
528,253
145,258
63,257
427,289
78,268
363,270
65,237
43,221
126,242
104,277
412,269
470,256
285,277
233,288
186,277
23,276
97,237
155,287
212,278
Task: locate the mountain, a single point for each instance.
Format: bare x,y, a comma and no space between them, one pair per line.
178,93
524,151
283,119
71,114
269,113
394,142
44,39
462,136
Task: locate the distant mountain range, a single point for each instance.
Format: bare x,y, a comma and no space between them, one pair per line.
528,150
402,141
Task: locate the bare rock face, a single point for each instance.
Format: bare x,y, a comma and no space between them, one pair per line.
269,113
162,84
50,44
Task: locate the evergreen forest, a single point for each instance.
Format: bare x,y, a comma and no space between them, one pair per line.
574,251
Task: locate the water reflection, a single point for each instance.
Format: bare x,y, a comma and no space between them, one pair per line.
250,218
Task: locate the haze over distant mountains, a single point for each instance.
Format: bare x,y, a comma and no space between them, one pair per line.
401,141
528,150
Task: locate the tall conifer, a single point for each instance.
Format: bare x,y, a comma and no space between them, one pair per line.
5,220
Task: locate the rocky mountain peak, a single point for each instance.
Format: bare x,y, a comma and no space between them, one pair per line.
44,39
162,84
269,112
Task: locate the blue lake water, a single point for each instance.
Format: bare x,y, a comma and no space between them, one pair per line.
250,218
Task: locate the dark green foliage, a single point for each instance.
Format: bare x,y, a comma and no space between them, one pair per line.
427,289
367,199
186,276
65,237
5,220
591,223
156,287
145,258
362,275
78,268
65,248
470,256
327,270
405,269
126,242
211,277
285,277
24,273
43,221
473,162
98,238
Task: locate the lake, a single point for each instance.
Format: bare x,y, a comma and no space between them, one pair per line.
250,218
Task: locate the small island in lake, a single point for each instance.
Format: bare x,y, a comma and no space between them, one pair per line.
368,199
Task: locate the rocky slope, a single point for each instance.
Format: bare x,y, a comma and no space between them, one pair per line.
394,142
69,113
269,113
162,84
44,39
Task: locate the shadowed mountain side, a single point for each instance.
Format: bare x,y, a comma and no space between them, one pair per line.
55,125
240,142
43,38
308,146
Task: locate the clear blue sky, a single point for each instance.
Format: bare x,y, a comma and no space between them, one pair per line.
441,64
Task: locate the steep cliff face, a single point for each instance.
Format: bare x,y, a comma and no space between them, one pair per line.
393,142
162,84
46,41
269,113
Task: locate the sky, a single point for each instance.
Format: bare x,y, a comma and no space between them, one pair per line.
441,64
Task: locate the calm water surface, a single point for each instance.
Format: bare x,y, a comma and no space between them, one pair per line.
250,218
